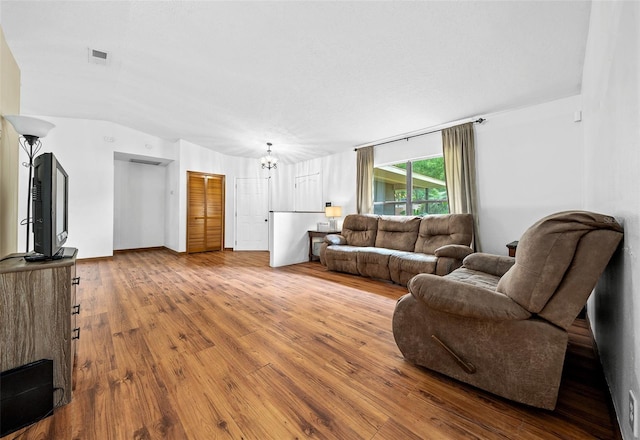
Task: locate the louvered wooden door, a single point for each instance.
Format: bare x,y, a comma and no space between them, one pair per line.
205,212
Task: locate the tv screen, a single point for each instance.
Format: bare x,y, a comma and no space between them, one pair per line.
50,205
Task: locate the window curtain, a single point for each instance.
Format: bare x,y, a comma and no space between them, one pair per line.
458,150
364,180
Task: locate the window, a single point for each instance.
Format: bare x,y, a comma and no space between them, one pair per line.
416,187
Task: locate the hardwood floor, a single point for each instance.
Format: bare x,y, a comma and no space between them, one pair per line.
220,345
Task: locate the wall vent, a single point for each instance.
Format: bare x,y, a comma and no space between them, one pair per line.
98,57
145,162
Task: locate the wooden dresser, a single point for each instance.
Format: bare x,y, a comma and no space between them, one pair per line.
38,311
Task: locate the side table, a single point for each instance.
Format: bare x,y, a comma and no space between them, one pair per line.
315,241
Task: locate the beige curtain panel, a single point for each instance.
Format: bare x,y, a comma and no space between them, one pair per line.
364,177
458,150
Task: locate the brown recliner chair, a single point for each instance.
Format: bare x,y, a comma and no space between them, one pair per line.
500,323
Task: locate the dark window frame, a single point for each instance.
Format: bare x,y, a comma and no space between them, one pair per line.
409,202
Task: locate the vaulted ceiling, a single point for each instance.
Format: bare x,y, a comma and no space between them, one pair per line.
313,78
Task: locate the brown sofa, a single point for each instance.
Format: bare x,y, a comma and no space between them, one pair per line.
396,248
501,323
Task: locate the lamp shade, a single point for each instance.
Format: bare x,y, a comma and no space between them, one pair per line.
333,211
28,126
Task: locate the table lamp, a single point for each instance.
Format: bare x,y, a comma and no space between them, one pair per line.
332,212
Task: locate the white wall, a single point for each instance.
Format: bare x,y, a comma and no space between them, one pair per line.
172,204
77,144
338,173
339,181
419,147
611,99
85,148
529,164
288,237
193,157
139,205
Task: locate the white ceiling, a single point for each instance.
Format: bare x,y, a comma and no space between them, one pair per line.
313,78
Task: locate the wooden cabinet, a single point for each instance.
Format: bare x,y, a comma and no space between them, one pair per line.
205,212
38,312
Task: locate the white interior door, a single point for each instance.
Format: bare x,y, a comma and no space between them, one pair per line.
252,215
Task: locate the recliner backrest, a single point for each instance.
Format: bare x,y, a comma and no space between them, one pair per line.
594,251
397,232
440,230
560,253
360,229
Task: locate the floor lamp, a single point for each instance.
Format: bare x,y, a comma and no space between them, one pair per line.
30,131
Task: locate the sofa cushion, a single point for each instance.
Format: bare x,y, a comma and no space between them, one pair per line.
342,258
399,233
374,262
440,230
360,229
474,277
405,265
467,299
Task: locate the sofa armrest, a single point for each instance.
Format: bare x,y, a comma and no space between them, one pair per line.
456,251
335,239
496,265
446,265
463,299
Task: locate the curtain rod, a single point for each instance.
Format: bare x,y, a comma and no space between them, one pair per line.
406,138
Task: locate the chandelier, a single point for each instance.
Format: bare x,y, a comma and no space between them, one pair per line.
269,161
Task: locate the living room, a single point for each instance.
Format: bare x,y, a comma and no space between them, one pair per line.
575,151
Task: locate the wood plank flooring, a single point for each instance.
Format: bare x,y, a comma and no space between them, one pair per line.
221,346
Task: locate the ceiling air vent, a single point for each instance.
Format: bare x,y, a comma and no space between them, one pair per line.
145,162
98,57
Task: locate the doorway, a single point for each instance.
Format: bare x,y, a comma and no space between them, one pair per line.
205,212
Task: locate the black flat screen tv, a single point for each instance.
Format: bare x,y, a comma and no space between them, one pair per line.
50,206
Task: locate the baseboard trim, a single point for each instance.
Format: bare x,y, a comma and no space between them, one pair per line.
612,409
153,248
90,259
173,251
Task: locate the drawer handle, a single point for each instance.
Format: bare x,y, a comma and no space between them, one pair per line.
75,310
76,333
75,281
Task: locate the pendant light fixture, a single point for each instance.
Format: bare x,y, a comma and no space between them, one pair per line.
269,161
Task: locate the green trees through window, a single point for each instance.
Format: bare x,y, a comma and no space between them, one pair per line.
415,187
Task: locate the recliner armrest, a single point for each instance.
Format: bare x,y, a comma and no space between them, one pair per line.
335,239
462,299
456,251
496,265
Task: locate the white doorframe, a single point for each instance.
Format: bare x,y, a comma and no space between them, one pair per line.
252,214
